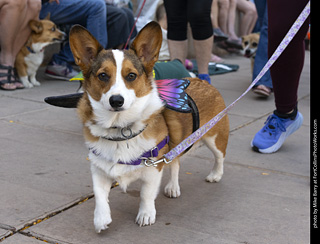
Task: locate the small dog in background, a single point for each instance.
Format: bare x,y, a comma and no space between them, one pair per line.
30,57
250,46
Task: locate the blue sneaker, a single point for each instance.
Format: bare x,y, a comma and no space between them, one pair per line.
205,77
271,137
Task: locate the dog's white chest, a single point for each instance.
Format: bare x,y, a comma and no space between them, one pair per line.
33,61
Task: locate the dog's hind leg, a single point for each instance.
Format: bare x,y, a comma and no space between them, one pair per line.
217,170
172,189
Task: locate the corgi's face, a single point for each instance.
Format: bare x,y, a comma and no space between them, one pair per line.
117,82
250,45
45,32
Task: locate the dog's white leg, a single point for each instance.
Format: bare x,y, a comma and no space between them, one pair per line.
101,188
25,82
172,189
217,171
33,80
151,182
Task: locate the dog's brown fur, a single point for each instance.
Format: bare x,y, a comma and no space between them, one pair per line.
99,119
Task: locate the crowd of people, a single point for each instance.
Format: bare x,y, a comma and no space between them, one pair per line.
212,22
111,21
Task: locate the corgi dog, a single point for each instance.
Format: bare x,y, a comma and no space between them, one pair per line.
30,57
250,46
125,121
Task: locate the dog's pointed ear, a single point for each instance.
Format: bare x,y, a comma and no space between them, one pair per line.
147,45
84,47
36,26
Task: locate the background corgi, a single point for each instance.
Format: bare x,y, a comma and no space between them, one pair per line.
30,57
125,120
250,46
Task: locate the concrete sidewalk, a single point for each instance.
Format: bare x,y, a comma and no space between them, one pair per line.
46,189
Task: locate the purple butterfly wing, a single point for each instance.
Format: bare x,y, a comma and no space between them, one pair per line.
172,92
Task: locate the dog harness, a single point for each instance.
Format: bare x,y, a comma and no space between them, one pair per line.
153,152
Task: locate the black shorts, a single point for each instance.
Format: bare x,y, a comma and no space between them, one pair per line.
196,12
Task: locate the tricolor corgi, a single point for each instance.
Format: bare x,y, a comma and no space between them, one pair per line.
249,46
125,121
30,57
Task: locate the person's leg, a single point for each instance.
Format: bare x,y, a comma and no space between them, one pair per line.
286,72
32,12
262,51
202,50
177,29
200,21
178,49
14,18
88,13
223,15
249,17
10,19
231,20
285,75
119,23
131,20
214,14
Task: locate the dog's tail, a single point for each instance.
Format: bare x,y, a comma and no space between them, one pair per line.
64,101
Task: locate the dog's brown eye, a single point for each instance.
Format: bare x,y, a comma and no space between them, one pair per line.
254,44
131,77
103,77
53,29
246,43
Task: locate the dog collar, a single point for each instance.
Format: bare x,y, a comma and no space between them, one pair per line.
30,49
126,133
153,152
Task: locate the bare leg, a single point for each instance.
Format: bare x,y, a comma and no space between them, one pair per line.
32,12
231,20
223,15
249,17
10,18
14,18
203,54
214,14
178,50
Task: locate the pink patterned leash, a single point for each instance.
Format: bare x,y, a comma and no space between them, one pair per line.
186,143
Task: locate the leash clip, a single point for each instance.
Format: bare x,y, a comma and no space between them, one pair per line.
150,162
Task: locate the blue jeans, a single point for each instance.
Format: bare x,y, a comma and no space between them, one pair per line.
262,51
91,14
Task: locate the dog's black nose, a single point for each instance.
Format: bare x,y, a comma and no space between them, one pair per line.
116,101
248,52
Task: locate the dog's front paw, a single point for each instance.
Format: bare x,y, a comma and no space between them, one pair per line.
101,221
36,83
172,190
146,217
214,176
25,82
27,85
